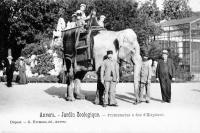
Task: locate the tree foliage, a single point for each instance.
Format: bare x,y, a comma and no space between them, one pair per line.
26,23
44,64
27,19
176,9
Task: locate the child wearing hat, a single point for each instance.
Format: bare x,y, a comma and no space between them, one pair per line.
101,20
82,9
145,78
81,12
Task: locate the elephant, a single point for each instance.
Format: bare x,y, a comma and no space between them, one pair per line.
124,45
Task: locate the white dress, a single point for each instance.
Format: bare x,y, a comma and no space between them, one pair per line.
101,23
61,24
60,27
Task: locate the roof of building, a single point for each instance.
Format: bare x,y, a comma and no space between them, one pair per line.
179,21
196,13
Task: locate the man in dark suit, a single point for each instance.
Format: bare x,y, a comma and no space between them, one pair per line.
10,66
165,73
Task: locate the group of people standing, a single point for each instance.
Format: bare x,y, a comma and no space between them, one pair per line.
10,66
109,77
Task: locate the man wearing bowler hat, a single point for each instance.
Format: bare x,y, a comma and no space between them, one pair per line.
165,73
109,77
10,66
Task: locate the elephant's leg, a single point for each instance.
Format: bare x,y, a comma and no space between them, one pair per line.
70,91
137,68
77,89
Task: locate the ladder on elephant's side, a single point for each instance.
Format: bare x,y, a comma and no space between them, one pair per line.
84,46
84,49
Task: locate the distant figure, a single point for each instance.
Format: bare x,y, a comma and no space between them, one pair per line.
33,61
165,73
82,11
22,71
60,26
93,18
79,21
81,17
101,20
110,78
145,78
2,65
10,67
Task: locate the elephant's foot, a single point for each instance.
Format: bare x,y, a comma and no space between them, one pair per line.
79,96
69,98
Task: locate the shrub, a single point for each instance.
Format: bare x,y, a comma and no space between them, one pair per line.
44,64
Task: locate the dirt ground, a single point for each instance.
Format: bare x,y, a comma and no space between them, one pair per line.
23,107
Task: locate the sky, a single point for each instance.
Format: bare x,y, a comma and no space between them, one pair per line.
194,4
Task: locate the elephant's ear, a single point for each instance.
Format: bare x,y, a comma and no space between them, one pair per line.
127,38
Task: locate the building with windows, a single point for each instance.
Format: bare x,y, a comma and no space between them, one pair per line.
183,36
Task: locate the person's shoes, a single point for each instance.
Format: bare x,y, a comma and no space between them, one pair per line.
169,101
104,105
70,99
114,105
142,100
79,96
136,102
9,85
147,101
96,103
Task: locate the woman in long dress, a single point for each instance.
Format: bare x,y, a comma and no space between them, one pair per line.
22,71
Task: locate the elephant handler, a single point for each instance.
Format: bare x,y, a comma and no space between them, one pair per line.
110,78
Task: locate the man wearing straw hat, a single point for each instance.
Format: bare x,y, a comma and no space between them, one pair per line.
165,73
10,66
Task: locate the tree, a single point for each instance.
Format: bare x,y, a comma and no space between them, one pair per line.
44,64
151,11
145,25
119,13
5,18
176,9
31,22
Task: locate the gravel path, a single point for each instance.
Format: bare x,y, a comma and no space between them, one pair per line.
22,104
